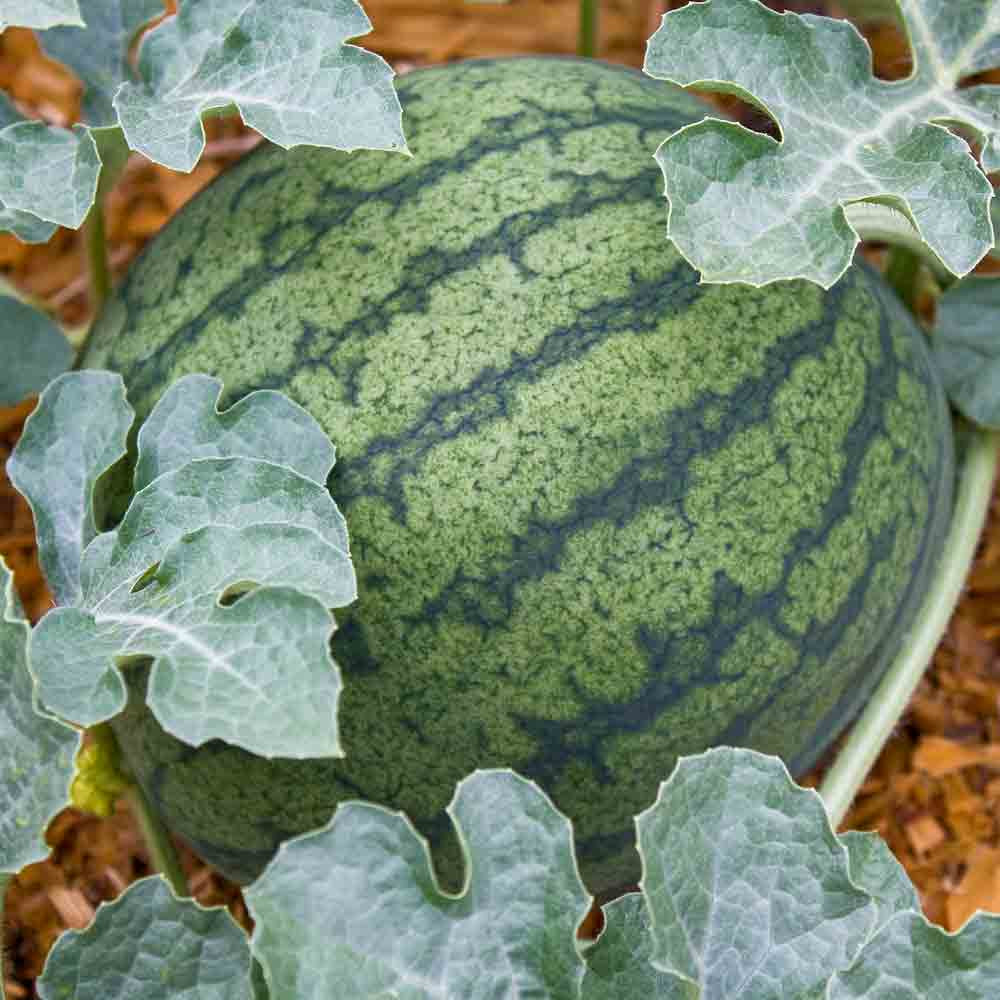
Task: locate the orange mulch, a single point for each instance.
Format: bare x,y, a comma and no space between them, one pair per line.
934,793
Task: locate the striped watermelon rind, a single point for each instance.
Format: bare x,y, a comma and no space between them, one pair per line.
601,515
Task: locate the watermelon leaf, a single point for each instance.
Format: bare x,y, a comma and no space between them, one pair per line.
744,207
38,14
36,767
48,175
967,349
874,868
34,348
353,910
740,868
151,944
97,51
284,65
188,424
78,428
746,891
222,570
287,70
620,963
910,959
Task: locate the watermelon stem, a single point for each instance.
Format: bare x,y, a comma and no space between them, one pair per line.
875,724
98,269
587,42
903,273
161,848
114,154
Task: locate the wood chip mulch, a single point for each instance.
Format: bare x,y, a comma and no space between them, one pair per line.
934,793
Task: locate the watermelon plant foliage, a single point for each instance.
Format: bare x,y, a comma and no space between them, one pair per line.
744,207
38,14
285,66
967,348
746,893
221,570
39,345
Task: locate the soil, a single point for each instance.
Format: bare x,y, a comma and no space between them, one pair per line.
934,793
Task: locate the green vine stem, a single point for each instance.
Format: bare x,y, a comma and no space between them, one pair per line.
96,249
872,728
903,273
102,776
114,154
161,848
586,45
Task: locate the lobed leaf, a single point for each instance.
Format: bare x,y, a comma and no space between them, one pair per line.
222,570
747,885
48,175
874,869
910,959
744,207
34,348
354,911
150,944
967,350
619,964
97,51
75,434
257,674
746,893
283,64
36,766
266,425
235,493
38,14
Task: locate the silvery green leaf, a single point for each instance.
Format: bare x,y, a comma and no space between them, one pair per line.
353,910
910,959
38,14
966,345
257,673
34,350
282,63
148,943
75,434
747,886
227,492
97,51
744,207
186,424
874,868
36,766
618,965
48,175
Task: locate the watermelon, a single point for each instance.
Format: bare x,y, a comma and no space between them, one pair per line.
602,515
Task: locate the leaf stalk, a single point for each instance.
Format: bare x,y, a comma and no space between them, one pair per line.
903,273
161,848
587,42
